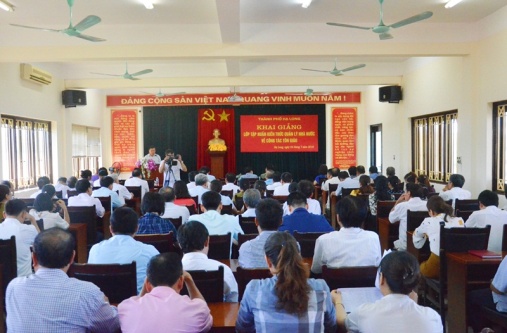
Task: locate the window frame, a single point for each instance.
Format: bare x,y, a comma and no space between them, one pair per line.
499,145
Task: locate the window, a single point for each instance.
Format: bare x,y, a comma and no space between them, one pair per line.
499,142
376,146
434,145
86,149
26,150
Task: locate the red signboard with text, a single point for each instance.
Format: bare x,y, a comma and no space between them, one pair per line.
124,138
344,123
279,134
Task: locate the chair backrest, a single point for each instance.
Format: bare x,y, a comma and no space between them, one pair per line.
280,198
176,221
40,224
95,188
307,241
135,190
346,191
504,238
269,193
464,214
191,209
59,194
196,200
247,224
219,246
209,283
117,281
162,242
415,218
227,193
332,187
245,275
429,195
226,209
245,237
399,187
106,203
88,216
471,204
384,208
71,193
239,203
349,277
28,201
8,261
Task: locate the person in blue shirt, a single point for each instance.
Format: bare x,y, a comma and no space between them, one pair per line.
300,219
153,206
106,190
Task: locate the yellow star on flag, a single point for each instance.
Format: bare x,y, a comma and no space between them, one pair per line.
224,116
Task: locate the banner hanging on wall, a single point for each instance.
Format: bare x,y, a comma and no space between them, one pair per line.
344,123
124,138
279,134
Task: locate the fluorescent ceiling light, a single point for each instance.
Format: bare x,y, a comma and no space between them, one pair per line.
452,3
148,4
306,3
6,6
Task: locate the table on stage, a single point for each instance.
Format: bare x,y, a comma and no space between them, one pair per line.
465,272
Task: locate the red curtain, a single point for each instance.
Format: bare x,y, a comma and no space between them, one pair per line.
208,120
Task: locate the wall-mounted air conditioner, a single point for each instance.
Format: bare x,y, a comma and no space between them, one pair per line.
36,75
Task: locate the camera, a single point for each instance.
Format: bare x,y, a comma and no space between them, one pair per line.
171,162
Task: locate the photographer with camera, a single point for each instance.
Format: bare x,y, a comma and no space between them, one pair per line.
171,167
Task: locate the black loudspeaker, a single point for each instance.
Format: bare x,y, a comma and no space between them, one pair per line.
73,98
391,94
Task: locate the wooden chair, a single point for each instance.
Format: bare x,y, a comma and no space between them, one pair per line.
472,204
227,193
245,237
196,200
269,193
117,281
88,216
79,231
162,242
247,224
209,283
135,190
400,187
349,277
429,195
307,241
452,240
71,193
28,201
504,238
59,194
464,214
497,319
176,221
414,220
95,188
191,209
226,210
121,181
104,221
245,275
280,198
9,263
239,203
346,191
219,246
388,232
106,203
3,326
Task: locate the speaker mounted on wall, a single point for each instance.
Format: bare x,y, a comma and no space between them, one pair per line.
73,98
391,94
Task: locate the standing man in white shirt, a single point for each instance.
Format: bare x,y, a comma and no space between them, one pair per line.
453,190
152,156
84,197
136,180
171,167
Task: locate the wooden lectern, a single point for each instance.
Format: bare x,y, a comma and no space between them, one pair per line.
217,163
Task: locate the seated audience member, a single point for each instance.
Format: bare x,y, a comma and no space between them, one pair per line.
300,219
106,190
84,197
122,248
289,301
360,170
284,188
268,220
248,173
216,186
206,171
44,208
410,177
251,199
191,179
40,183
365,187
306,187
429,229
102,173
349,180
261,186
194,241
453,190
424,181
160,306
321,175
86,174
269,177
293,187
381,194
137,180
398,310
201,186
390,172
50,301
244,184
15,215
171,209
393,183
277,181
5,195
96,176
373,172
215,223
351,245
411,200
270,168
122,191
183,198
489,213
333,178
494,298
61,186
71,183
230,178
152,207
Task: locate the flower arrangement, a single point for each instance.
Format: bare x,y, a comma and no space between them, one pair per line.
146,166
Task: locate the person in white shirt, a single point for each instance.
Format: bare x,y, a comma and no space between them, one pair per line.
102,173
348,182
153,156
194,240
84,197
351,245
205,170
489,213
306,187
44,208
61,186
230,178
429,229
136,180
284,188
171,209
171,167
216,186
40,183
120,189
106,190
277,177
333,178
251,199
411,200
453,190
398,310
201,186
191,179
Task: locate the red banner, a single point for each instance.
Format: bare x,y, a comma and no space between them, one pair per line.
223,99
280,134
124,138
344,124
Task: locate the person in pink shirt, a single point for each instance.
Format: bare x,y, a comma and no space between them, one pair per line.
160,307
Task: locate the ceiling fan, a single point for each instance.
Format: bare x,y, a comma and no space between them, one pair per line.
234,97
335,71
309,92
73,31
161,94
383,30
127,75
